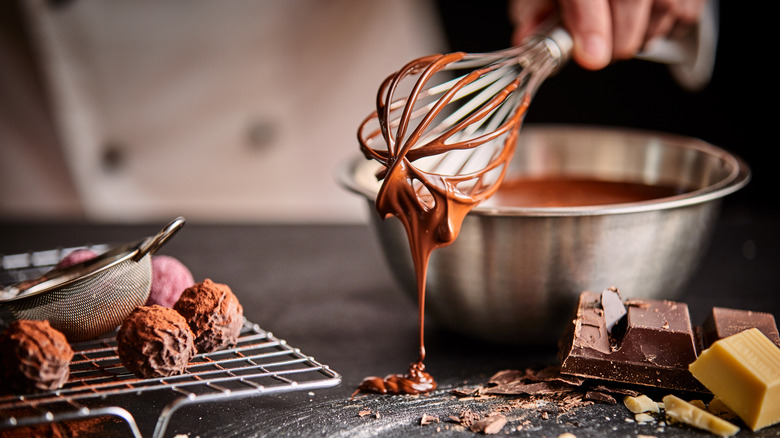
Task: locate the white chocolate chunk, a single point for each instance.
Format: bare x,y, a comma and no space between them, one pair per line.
743,370
684,412
640,404
643,417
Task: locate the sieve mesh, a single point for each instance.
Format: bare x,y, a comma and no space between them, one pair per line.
93,305
91,298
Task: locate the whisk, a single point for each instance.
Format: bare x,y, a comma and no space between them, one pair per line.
447,125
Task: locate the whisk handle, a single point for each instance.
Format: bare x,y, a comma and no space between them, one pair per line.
690,57
559,43
151,244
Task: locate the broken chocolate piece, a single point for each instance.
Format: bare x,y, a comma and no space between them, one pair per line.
722,323
655,349
614,309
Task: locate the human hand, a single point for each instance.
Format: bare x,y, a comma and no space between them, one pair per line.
606,30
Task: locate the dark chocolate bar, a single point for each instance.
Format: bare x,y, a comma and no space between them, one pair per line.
652,344
722,323
654,348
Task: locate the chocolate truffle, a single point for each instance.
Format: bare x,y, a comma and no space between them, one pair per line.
155,341
35,357
75,257
169,279
214,315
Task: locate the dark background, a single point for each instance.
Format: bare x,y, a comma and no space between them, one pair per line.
736,111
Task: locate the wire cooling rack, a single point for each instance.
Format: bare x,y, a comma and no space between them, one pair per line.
100,386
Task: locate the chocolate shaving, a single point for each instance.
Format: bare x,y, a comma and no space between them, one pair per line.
489,425
507,376
465,392
531,382
553,374
538,388
600,397
572,401
615,390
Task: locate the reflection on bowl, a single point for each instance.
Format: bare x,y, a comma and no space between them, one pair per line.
514,273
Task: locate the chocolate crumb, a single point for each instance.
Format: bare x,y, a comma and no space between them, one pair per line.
468,418
428,419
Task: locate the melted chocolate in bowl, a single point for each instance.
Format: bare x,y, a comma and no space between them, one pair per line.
558,191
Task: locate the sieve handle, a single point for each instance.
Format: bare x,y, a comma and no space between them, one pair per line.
151,244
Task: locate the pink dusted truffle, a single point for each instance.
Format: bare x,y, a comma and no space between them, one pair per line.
169,279
75,257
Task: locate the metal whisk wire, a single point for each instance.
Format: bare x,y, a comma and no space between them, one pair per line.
459,119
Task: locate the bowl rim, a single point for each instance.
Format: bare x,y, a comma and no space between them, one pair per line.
738,177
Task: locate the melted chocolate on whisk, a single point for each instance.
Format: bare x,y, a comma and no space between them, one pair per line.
432,217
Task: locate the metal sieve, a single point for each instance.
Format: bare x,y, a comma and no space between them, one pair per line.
91,298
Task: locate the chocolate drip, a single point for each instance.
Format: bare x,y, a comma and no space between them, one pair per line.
431,205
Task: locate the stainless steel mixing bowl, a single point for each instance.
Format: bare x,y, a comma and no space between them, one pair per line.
514,274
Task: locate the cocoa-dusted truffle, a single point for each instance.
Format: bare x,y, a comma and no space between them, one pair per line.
214,315
35,357
155,341
169,279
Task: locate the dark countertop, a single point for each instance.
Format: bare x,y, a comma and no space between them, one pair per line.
326,290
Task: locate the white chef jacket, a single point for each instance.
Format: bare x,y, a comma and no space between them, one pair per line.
237,110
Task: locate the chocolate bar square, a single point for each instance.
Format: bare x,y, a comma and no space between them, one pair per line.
654,349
